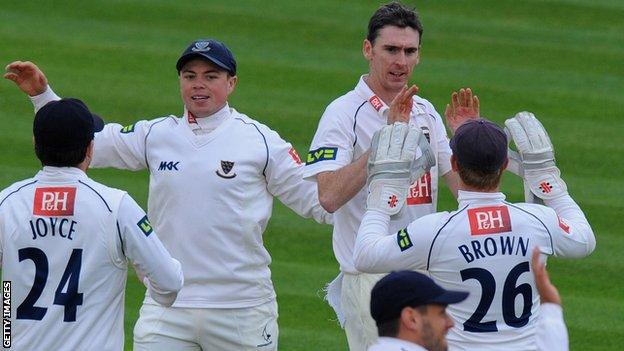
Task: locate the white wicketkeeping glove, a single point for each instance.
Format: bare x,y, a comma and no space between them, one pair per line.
394,164
537,155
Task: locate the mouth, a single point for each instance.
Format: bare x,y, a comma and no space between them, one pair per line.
398,75
199,97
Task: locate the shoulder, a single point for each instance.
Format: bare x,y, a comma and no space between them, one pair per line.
536,210
147,125
109,197
345,107
15,188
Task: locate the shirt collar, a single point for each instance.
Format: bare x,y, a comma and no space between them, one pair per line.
50,173
202,125
473,197
366,93
400,344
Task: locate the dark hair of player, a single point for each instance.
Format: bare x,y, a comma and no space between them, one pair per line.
393,14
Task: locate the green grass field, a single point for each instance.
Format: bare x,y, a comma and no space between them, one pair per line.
561,59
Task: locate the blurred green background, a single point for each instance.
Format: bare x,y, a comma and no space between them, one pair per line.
561,59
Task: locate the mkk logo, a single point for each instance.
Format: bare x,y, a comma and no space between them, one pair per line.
489,220
420,192
226,167
168,166
375,101
54,201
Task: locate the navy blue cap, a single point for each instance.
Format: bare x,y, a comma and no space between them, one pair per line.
66,124
211,50
400,289
480,145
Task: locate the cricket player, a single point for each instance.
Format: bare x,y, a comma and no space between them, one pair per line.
339,150
484,246
65,241
213,175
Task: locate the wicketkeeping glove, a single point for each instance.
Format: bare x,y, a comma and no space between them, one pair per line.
541,175
394,164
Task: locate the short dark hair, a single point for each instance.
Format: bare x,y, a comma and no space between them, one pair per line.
391,328
480,179
52,157
393,14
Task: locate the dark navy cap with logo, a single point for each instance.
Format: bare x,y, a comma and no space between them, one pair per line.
480,145
211,50
400,289
65,125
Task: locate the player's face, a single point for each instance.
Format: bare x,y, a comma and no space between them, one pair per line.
435,324
392,58
205,87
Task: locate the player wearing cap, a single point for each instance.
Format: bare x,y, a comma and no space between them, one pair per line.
339,150
485,245
410,312
65,241
213,175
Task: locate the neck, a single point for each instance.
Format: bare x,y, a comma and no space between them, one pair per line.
377,88
409,336
196,115
465,187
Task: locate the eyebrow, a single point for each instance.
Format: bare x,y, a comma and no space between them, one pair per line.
205,72
389,46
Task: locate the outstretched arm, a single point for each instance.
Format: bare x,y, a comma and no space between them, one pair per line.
27,76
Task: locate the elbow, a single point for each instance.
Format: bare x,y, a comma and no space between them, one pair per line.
328,202
361,263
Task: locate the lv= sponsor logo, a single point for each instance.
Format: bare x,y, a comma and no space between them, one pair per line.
489,220
54,201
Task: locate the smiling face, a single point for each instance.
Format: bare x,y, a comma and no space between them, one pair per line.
205,87
391,57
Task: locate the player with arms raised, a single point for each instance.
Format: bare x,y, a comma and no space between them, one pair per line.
485,246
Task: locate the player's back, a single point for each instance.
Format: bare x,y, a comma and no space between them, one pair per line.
59,238
485,248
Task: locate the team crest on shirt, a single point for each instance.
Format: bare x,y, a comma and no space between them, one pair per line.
427,134
145,226
266,337
54,201
226,168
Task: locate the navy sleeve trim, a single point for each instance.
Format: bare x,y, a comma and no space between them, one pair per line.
16,190
552,246
98,194
355,121
425,108
120,239
266,146
438,233
148,133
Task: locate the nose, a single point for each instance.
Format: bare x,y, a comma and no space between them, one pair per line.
449,322
401,58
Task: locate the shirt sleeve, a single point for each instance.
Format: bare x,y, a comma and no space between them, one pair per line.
377,251
333,144
571,232
115,146
284,175
122,147
551,332
163,273
441,141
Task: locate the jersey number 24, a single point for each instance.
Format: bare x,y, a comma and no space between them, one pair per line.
70,299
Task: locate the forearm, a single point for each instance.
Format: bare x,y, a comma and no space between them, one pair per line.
579,228
336,188
370,254
451,179
42,99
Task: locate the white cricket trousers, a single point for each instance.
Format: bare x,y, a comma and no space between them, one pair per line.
207,329
359,326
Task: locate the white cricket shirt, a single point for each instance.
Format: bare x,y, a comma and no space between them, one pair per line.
485,248
345,132
64,240
210,197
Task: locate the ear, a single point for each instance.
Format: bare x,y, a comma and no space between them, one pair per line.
454,164
418,55
232,84
410,319
367,49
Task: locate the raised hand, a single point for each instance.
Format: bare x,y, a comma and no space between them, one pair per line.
27,76
401,105
463,107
